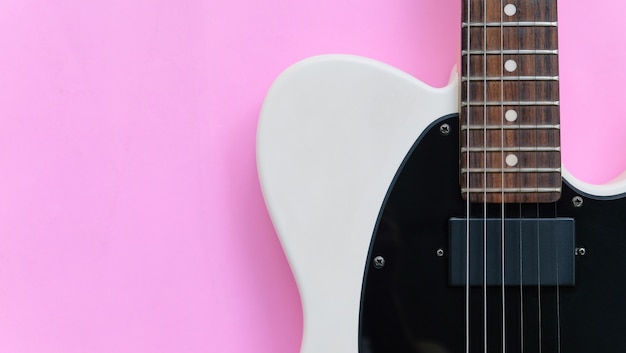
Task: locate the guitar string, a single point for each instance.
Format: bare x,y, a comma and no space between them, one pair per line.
485,48
503,234
536,93
539,313
519,182
558,294
521,282
467,206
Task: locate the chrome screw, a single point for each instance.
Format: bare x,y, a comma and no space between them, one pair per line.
577,201
444,129
440,252
379,262
581,251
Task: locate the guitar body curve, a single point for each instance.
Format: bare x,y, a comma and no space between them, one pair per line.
332,134
409,306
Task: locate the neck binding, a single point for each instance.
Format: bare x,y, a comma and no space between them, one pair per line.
510,102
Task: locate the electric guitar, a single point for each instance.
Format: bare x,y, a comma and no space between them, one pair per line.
420,219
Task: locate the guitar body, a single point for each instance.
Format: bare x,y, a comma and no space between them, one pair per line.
353,166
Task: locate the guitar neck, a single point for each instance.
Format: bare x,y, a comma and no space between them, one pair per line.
510,102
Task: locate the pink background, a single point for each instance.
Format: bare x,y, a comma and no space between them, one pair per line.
131,217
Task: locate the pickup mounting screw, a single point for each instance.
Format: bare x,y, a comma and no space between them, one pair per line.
440,252
444,129
577,201
379,262
581,251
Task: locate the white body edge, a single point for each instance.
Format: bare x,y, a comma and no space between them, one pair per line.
333,131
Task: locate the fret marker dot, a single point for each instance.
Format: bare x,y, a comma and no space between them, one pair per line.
510,10
510,115
511,160
510,65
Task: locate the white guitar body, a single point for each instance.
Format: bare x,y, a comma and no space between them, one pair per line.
332,134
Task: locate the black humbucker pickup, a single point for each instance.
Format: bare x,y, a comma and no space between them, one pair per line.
537,251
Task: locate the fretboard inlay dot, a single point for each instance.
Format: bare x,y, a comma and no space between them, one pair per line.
510,115
510,10
511,160
510,65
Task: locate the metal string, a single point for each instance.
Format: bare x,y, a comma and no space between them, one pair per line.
467,206
519,180
502,242
558,295
537,185
521,281
485,174
539,283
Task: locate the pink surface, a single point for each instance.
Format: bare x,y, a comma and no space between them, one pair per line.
131,218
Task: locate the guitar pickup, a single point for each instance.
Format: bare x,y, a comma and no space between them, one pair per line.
537,251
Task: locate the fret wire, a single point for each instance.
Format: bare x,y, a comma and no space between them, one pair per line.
525,103
511,190
510,78
512,127
511,149
510,170
512,52
509,24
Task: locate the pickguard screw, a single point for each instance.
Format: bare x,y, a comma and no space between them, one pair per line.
444,129
581,251
577,201
379,262
440,252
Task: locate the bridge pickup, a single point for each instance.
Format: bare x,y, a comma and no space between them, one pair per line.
537,251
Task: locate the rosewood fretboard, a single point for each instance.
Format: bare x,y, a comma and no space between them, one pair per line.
510,101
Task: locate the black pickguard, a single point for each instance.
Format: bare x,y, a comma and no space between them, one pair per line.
408,306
